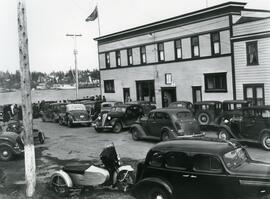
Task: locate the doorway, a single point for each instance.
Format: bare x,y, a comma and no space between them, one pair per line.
168,95
196,93
126,95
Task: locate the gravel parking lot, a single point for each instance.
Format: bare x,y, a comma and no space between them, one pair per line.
65,145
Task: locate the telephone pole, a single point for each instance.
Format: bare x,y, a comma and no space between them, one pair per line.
75,52
29,150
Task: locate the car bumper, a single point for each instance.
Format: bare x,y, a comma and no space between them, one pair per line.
81,122
102,127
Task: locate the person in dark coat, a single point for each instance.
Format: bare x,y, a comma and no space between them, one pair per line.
6,114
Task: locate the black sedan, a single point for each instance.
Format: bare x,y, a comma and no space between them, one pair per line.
201,168
164,124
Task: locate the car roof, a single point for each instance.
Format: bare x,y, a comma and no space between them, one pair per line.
257,107
235,101
138,102
200,145
127,105
59,103
207,102
171,110
182,102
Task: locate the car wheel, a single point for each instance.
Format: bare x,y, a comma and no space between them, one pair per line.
165,135
99,130
5,153
59,186
157,193
223,134
117,127
69,123
135,134
41,138
204,118
125,180
265,141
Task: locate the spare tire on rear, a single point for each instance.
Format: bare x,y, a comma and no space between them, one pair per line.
204,117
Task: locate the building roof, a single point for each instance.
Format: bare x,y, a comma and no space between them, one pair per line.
248,19
220,9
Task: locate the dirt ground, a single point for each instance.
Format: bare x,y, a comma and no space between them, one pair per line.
77,145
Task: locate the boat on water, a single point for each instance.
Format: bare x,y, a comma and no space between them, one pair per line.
65,87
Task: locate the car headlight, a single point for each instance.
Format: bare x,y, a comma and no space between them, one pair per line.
109,118
99,117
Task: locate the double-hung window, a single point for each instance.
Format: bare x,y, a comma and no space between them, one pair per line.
109,86
178,49
161,52
215,43
195,46
143,54
215,82
118,58
130,57
252,53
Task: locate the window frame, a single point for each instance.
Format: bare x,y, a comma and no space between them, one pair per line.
176,48
168,78
143,53
107,60
216,171
176,167
213,75
107,82
129,55
161,51
118,58
193,47
254,93
213,44
248,55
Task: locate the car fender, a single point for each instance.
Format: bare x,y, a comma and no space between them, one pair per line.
114,120
140,129
170,131
228,130
153,180
65,176
263,132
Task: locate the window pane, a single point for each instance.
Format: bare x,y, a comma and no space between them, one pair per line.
177,160
178,43
259,92
161,46
216,47
196,51
156,160
249,92
179,53
161,55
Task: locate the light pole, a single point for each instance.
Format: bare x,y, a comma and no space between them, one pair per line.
75,52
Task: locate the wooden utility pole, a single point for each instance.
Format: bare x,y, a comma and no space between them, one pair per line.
75,52
29,150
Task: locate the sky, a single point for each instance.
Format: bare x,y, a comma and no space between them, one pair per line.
49,21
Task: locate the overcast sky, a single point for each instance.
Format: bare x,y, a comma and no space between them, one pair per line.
49,21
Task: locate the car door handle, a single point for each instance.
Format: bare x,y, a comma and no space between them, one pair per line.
192,176
185,176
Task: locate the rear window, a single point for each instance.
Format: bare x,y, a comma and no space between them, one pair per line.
184,115
106,105
207,163
176,160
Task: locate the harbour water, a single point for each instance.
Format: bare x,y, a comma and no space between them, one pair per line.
55,95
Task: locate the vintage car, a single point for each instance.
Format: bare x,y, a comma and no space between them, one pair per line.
204,168
231,108
75,114
17,127
206,111
121,116
11,145
92,107
164,124
181,104
252,126
146,105
107,106
52,112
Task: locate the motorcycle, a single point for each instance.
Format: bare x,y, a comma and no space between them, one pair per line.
109,173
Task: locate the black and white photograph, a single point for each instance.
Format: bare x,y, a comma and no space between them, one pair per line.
134,99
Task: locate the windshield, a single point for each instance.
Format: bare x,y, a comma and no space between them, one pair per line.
184,115
119,109
76,107
235,158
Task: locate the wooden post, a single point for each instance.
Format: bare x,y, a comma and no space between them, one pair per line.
29,150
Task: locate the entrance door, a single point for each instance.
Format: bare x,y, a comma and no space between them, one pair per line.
168,95
126,94
197,93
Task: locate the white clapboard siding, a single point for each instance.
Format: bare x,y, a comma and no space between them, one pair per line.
251,27
182,31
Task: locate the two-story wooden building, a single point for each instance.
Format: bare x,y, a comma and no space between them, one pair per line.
188,57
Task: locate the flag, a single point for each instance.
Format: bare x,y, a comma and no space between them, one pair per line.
93,15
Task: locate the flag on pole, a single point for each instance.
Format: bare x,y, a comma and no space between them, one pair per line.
93,15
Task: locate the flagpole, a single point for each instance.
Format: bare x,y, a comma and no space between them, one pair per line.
98,53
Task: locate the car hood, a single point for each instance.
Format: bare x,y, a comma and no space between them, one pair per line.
254,169
9,135
115,114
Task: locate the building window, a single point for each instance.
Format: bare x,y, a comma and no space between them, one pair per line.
252,53
130,57
195,46
254,93
143,54
161,52
107,57
215,43
118,58
215,82
109,86
146,90
168,78
178,49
